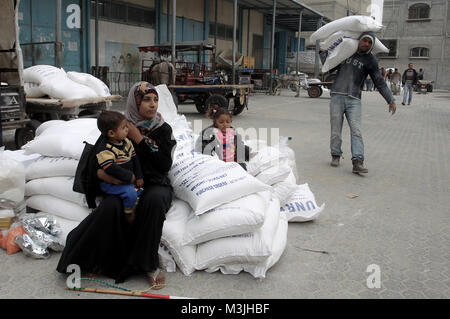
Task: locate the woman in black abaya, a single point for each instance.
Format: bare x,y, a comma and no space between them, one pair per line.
104,242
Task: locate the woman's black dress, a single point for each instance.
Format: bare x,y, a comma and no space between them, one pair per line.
105,243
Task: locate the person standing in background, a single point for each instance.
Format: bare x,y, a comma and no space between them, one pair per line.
409,81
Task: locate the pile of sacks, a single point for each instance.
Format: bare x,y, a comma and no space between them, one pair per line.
222,217
42,80
342,44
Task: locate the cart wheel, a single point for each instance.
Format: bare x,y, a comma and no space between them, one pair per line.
25,134
315,91
429,88
212,100
200,104
240,103
293,87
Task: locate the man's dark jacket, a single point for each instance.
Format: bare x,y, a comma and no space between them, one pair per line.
416,78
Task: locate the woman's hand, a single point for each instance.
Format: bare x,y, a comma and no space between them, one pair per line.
134,134
139,182
108,178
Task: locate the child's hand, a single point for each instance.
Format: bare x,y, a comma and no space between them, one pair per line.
139,182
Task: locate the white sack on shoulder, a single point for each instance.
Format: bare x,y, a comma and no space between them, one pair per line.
338,36
172,236
206,182
90,81
60,186
301,205
250,248
240,216
58,207
341,52
356,23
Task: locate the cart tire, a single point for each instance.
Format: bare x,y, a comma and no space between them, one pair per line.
25,134
238,106
213,99
315,91
292,87
429,88
200,103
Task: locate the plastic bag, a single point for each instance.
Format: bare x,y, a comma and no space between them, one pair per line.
12,179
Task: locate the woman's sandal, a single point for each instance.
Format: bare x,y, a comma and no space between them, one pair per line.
152,278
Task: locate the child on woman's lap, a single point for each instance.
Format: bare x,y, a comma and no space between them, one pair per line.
118,159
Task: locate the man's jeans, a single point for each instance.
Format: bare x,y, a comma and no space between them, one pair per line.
408,89
340,105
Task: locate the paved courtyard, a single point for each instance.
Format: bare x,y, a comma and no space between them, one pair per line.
399,221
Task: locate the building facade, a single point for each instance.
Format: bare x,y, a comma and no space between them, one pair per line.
418,32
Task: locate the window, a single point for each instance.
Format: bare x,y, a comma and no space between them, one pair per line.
419,52
419,11
224,32
121,12
392,46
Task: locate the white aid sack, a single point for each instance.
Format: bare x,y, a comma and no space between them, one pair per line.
42,73
276,173
166,261
46,166
259,270
21,157
90,81
60,186
301,205
339,53
172,236
338,36
240,216
32,89
206,182
250,248
356,23
64,88
166,105
266,158
58,207
282,190
12,179
65,139
66,225
41,128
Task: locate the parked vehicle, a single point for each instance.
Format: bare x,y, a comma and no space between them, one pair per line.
196,81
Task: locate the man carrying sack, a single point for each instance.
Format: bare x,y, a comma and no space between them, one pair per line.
346,99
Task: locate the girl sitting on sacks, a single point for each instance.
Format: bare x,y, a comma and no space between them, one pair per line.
221,138
104,242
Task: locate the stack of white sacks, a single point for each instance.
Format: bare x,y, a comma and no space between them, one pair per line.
343,43
222,217
42,80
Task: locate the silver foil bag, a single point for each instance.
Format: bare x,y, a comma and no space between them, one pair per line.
31,248
42,229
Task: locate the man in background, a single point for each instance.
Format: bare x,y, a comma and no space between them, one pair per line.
409,82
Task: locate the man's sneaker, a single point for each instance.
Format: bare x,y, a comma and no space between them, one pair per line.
403,103
358,167
335,160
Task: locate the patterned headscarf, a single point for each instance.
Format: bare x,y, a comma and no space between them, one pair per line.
135,96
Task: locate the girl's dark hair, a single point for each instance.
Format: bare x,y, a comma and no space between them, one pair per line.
215,111
109,120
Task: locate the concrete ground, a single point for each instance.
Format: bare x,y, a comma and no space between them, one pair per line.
399,222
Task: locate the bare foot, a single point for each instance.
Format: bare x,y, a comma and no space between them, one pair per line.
156,279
